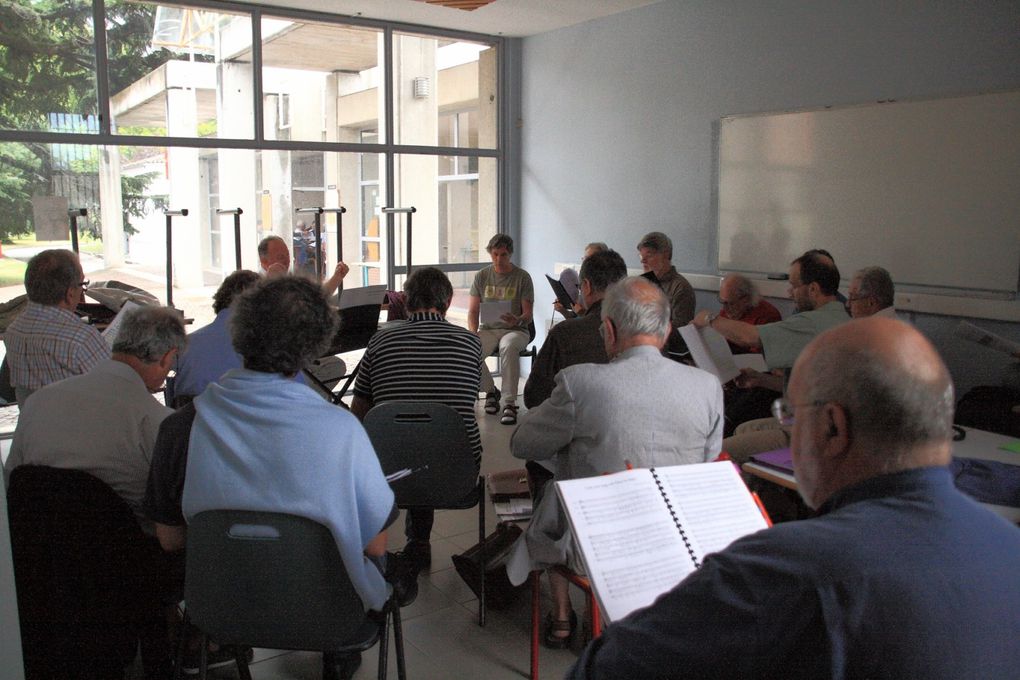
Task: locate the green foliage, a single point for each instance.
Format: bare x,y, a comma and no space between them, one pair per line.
47,66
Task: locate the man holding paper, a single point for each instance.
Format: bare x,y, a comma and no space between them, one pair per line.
640,409
899,575
499,310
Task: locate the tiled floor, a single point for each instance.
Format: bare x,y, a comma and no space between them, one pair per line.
442,639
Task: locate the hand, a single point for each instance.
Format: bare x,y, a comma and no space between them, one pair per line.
749,378
557,307
341,269
510,319
701,319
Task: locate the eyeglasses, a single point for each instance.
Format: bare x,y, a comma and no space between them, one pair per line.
857,298
782,410
84,284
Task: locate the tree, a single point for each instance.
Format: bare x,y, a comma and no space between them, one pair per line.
47,67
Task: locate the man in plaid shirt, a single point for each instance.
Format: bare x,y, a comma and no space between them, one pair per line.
48,341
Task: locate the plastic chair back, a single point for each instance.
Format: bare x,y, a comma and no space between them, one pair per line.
272,580
431,442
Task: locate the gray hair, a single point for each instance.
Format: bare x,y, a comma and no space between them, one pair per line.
636,306
877,283
147,333
500,241
743,286
596,247
657,241
428,288
50,274
264,244
890,407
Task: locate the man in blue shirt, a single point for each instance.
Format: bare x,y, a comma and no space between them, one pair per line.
210,353
899,575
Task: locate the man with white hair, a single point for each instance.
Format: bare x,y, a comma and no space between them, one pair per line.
871,294
640,409
898,576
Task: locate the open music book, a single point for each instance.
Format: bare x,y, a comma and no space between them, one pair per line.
643,531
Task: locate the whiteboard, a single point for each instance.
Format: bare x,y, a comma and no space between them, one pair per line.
930,190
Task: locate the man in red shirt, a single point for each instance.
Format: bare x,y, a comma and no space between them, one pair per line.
740,302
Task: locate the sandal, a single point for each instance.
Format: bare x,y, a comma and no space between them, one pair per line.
509,416
492,402
553,626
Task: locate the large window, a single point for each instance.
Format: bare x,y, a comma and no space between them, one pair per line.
180,112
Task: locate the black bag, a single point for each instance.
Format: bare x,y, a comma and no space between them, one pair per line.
499,592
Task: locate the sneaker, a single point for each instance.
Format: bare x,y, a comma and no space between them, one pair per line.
492,402
224,656
509,416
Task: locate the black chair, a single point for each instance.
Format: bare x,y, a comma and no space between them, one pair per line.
275,580
429,440
84,571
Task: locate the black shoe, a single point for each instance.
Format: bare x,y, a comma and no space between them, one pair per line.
224,656
420,552
340,666
402,574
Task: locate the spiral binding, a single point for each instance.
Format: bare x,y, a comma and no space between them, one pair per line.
676,520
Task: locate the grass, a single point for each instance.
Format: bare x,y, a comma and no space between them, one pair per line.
12,272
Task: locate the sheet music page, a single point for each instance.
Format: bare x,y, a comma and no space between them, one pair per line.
713,504
710,352
632,549
110,333
751,360
366,295
490,312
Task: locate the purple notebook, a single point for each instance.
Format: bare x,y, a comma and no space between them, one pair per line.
779,459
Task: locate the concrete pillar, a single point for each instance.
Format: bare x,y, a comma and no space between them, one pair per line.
111,206
236,168
417,122
488,131
185,190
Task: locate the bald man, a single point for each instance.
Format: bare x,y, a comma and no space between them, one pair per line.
899,575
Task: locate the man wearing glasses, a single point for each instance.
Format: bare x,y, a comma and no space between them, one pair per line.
814,280
48,341
898,576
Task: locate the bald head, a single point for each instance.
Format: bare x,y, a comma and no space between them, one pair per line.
872,395
737,295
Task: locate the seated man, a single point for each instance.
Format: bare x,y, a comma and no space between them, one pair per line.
741,302
813,283
576,341
656,250
274,258
48,341
502,282
210,353
899,576
871,294
426,359
258,440
572,284
105,421
640,409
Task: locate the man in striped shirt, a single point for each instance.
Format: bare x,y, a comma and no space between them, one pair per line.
426,359
48,341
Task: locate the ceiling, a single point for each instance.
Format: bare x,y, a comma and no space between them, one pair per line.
512,18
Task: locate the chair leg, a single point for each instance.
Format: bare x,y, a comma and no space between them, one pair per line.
203,658
398,644
481,542
384,639
241,657
182,642
536,604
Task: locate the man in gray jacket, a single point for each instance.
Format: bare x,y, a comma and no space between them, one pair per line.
640,409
